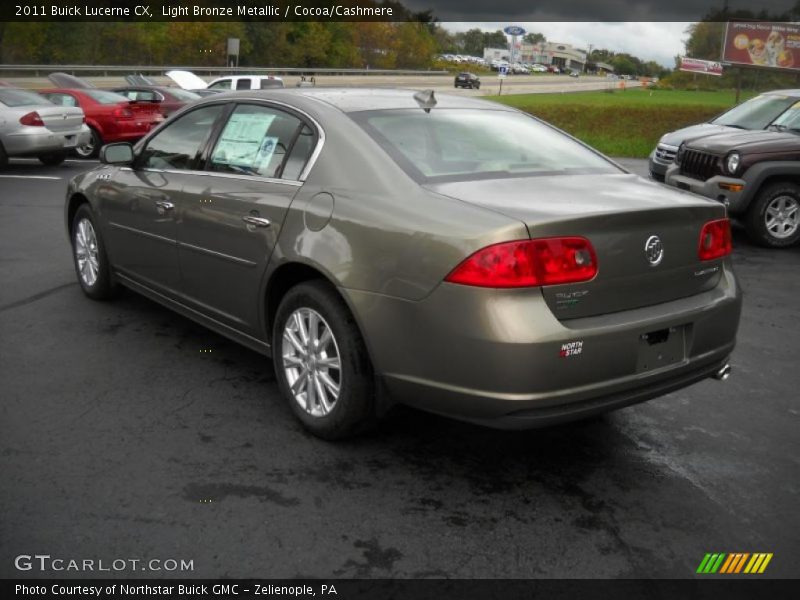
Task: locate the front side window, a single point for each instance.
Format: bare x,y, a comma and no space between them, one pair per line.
255,141
459,144
177,146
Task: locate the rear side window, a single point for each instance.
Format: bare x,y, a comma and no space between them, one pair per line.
104,97
255,141
242,84
60,99
141,95
301,152
176,146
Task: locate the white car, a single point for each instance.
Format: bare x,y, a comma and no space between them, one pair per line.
189,81
246,82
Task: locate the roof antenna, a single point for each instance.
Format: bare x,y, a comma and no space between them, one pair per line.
426,100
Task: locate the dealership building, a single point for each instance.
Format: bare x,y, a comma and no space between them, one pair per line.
564,56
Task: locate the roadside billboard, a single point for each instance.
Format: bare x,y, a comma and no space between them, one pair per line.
695,65
762,44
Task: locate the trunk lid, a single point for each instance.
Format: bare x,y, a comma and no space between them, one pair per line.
186,80
618,214
60,118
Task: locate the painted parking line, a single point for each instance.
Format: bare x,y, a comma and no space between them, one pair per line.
29,177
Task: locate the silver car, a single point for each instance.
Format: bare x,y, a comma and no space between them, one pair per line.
383,246
31,125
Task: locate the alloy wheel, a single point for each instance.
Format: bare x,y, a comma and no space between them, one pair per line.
311,362
86,254
782,217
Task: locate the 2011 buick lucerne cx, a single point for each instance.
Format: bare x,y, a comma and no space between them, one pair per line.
386,246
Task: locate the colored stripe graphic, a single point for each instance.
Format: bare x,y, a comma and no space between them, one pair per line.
728,563
734,562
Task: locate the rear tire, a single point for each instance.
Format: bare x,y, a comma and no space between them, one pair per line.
317,344
92,147
89,256
53,159
773,219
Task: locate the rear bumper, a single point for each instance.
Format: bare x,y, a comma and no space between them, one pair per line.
494,356
736,202
33,141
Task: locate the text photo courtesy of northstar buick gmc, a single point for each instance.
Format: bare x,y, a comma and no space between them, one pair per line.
384,246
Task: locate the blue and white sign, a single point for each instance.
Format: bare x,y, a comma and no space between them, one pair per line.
514,30
502,71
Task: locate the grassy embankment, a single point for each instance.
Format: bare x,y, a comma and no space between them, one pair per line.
623,123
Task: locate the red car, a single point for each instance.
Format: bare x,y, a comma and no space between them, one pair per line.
110,116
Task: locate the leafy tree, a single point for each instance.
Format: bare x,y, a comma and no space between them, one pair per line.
534,38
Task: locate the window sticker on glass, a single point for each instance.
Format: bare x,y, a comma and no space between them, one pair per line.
244,144
265,153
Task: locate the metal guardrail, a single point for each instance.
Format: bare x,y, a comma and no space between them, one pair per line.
105,70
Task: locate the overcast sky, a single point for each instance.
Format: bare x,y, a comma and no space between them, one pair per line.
649,41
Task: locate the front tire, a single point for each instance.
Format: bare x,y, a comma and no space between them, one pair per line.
3,157
89,256
773,219
321,362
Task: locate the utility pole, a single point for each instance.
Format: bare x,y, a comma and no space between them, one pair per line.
588,58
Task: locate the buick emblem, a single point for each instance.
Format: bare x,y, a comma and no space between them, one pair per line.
654,250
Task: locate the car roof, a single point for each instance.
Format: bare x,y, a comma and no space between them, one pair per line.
792,92
360,99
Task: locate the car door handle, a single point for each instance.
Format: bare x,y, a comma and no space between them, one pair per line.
256,221
162,206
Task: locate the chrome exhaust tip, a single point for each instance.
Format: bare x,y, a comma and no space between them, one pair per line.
723,373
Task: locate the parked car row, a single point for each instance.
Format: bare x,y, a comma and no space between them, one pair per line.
75,116
748,159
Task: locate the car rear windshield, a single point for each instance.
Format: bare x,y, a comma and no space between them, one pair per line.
22,98
757,112
463,144
103,97
184,95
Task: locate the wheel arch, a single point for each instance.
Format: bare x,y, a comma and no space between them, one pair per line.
75,201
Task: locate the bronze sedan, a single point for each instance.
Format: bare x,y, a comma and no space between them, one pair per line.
384,246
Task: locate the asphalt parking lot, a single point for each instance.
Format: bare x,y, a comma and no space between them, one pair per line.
127,431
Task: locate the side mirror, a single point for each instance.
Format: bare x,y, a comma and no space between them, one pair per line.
120,153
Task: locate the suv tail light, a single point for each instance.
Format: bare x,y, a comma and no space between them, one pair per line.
32,119
122,113
528,263
715,240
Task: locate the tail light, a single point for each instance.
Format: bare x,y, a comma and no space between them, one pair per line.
122,113
715,240
32,119
528,263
